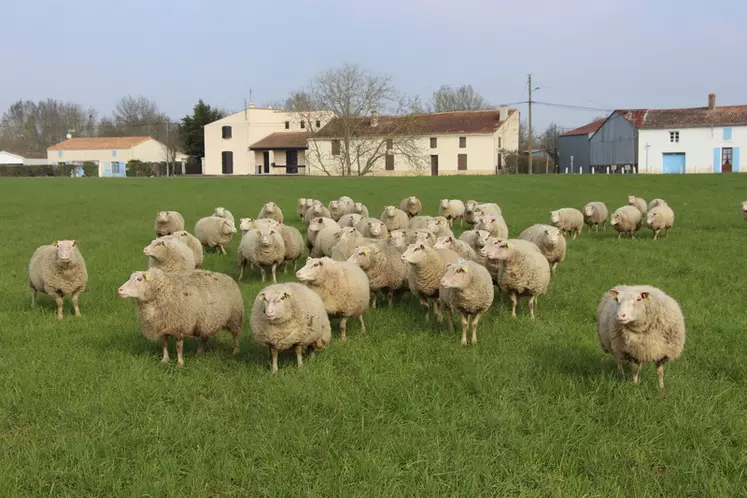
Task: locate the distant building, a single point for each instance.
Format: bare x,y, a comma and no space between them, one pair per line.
573,148
22,159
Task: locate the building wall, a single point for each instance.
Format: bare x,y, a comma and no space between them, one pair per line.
149,151
8,158
279,158
613,143
698,144
578,147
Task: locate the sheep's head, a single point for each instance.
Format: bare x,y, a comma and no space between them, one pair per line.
302,202
651,216
267,236
552,235
631,199
270,207
227,227
482,238
437,224
554,217
444,242
415,253
470,206
349,233
220,212
588,210
317,209
363,256
744,206
275,303
314,269
389,211
457,275
444,203
412,200
316,224
246,224
140,286
377,229
425,237
615,219
631,304
65,249
163,216
157,248
358,207
399,237
334,206
497,249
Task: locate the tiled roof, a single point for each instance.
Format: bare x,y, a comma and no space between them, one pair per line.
282,140
694,117
27,155
458,122
86,143
586,129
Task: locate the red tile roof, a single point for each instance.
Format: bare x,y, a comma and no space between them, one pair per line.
282,140
89,143
586,129
467,122
694,117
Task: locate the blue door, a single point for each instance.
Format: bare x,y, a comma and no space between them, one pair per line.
673,163
107,169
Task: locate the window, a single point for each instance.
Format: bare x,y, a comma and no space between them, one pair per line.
287,125
227,162
727,133
462,142
116,168
674,137
462,162
389,162
318,124
303,124
114,153
389,144
226,131
499,142
727,156
59,153
434,142
335,147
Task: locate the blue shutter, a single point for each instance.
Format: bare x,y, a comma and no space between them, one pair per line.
736,159
717,160
727,133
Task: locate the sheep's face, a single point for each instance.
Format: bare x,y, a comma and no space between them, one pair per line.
64,250
313,271
389,211
444,203
470,206
444,243
552,235
615,219
220,212
310,203
270,207
316,224
631,305
227,227
157,249
744,206
457,275
358,207
246,224
163,216
415,253
140,286
363,256
631,200
348,233
497,249
650,216
555,217
275,305
399,237
267,236
588,210
376,229
334,206
424,237
482,238
412,201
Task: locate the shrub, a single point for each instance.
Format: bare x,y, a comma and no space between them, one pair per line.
36,171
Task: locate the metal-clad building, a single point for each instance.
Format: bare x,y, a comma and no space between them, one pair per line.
573,148
615,143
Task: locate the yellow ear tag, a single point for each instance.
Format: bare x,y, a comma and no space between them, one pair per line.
147,276
648,298
507,246
365,251
288,296
464,268
261,297
54,243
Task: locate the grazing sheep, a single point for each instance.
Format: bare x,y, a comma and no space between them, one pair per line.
169,254
458,246
290,315
271,211
660,218
191,241
452,209
58,270
168,222
411,205
196,304
475,238
373,228
337,209
655,203
301,207
347,240
325,239
316,210
638,203
744,210
213,231
361,209
394,218
262,247
426,266
349,220
319,224
343,286
294,246
222,212
467,289
568,220
386,271
420,222
495,225
440,227
550,241
524,270
626,219
641,324
596,213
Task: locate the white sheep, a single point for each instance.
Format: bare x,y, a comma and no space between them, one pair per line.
213,231
596,213
58,269
425,237
467,289
316,210
550,241
568,220
222,212
475,238
373,228
411,205
301,206
271,211
426,267
386,271
326,236
452,209
361,209
626,219
655,203
401,238
660,218
440,227
458,246
347,240
744,210
420,222
495,225
290,315
343,287
641,324
394,218
170,255
246,224
319,223
261,247
337,209
294,246
486,209
349,220
639,203
168,222
193,243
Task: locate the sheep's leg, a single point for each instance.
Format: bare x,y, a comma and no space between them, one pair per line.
424,304
514,299
620,365
343,328
636,368
363,325
262,269
274,273
165,347
75,303
285,267
532,303
465,326
437,309
242,265
34,295
179,352
373,299
295,264
619,235
554,266
201,345
299,355
274,354
390,297
58,298
451,319
666,232
475,320
660,371
656,234
575,232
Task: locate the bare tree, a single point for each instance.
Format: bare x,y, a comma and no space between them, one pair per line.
550,141
135,116
355,98
461,98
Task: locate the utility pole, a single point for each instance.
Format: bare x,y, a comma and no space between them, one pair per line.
168,125
529,135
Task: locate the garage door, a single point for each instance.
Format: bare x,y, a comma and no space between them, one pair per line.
673,162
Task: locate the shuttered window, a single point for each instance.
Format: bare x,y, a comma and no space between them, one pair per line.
462,162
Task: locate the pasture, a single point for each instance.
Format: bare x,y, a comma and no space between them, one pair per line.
534,409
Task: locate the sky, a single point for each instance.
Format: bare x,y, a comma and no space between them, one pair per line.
604,54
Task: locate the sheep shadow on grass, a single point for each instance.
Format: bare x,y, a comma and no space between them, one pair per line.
582,362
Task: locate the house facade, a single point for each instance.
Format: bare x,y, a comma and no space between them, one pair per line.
574,148
111,154
672,141
27,159
447,143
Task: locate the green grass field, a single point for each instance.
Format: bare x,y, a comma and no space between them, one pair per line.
534,409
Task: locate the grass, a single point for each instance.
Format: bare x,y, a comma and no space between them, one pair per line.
534,409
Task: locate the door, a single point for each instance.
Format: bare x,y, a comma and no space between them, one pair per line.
291,162
107,169
727,159
673,163
266,158
434,165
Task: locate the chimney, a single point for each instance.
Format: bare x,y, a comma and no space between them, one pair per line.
374,118
503,113
711,100
251,105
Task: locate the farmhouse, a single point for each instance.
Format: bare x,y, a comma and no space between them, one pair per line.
692,140
22,159
111,154
573,148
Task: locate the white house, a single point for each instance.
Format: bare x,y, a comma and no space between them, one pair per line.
27,159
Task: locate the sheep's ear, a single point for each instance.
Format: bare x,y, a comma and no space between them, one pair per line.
613,293
646,296
464,268
507,245
54,243
75,242
422,246
147,276
261,297
286,295
365,251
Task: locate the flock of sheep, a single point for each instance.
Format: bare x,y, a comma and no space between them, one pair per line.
351,258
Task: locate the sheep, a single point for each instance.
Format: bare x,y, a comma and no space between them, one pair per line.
475,238
469,207
316,210
222,212
426,266
290,315
347,240
168,222
641,324
411,205
452,209
170,255
638,203
550,241
349,220
467,289
348,202
198,304
343,287
325,237
401,238
247,224
361,209
386,271
294,246
486,209
424,236
626,219
58,269
655,203
191,241
394,218
458,246
271,211
319,223
495,225
568,220
420,222
660,218
371,227
524,270
262,247
744,210
301,206
337,209
440,227
213,231
596,213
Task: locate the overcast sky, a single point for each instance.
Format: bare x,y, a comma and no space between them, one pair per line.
595,53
